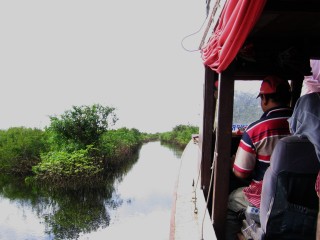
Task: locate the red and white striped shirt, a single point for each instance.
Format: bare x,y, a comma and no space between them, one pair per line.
256,146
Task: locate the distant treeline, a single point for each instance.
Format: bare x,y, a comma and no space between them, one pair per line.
180,135
78,147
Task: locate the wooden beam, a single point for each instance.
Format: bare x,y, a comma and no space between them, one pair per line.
207,130
222,152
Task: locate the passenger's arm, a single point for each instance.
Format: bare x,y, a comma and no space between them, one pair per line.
243,164
244,161
241,174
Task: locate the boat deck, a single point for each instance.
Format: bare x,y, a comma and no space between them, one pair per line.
190,218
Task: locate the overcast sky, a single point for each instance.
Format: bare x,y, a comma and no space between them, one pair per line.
123,54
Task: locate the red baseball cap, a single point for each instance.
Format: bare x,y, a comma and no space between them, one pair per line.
270,84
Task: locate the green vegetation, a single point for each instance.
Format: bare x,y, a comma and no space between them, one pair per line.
58,166
148,137
83,146
20,149
120,143
77,147
180,135
71,167
81,126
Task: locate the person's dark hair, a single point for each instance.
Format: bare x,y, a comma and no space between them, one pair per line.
282,96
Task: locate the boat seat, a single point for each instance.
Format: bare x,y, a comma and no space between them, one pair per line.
289,203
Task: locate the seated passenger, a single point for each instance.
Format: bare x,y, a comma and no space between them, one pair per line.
311,83
255,148
305,120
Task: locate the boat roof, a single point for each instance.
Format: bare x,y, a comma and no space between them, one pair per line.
284,29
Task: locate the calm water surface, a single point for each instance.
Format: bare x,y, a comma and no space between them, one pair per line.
136,204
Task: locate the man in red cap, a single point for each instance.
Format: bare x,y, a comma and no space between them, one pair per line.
257,143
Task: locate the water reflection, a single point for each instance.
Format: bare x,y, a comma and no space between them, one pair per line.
177,151
141,188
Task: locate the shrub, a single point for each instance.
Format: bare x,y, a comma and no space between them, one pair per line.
64,168
180,135
117,144
20,149
80,126
147,137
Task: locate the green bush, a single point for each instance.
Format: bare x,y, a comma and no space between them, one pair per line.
64,168
73,150
81,144
80,126
20,149
180,135
147,137
117,144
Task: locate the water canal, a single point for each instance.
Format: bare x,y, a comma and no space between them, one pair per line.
136,204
